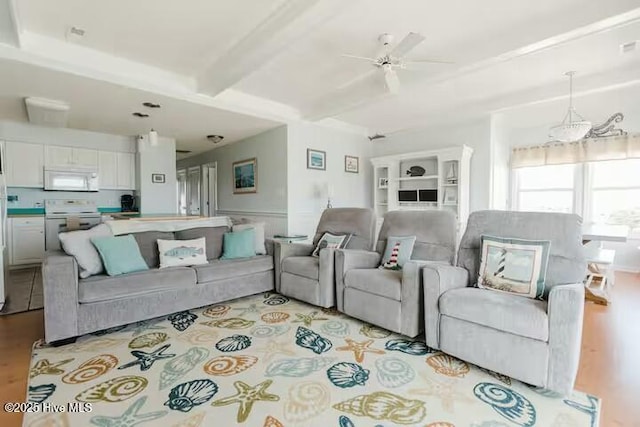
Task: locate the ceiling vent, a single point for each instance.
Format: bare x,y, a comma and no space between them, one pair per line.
629,46
183,151
47,112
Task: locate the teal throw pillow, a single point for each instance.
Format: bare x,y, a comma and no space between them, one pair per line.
239,244
397,252
119,254
515,266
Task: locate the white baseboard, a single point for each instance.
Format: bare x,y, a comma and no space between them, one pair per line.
626,268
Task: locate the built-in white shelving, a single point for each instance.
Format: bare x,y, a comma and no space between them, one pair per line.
435,179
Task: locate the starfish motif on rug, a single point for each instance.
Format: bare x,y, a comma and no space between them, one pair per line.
252,308
359,348
273,348
307,319
146,360
45,367
246,397
444,390
130,417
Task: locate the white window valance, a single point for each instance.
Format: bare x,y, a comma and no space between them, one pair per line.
586,150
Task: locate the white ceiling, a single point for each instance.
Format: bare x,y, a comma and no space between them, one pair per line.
280,60
104,107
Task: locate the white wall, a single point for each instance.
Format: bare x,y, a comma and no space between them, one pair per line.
269,203
475,133
307,188
26,132
156,198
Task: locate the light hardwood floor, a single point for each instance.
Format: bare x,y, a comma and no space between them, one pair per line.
609,365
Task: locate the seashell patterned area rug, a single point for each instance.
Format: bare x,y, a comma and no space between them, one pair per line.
269,361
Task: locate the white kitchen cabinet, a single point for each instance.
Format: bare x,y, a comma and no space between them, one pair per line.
85,157
24,164
108,170
26,240
70,157
126,169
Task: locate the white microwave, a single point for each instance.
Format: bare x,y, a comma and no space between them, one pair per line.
70,179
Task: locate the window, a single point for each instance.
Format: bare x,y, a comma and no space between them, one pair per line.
546,188
605,192
614,193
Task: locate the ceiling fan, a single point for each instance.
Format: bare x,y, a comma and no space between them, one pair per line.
391,58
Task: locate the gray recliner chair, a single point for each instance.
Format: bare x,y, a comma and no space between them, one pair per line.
388,298
534,341
312,279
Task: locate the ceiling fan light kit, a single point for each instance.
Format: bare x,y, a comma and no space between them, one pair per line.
570,130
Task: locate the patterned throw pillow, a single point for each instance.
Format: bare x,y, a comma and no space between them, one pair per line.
515,266
329,240
174,253
397,252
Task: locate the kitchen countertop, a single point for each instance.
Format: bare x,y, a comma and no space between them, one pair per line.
152,217
34,212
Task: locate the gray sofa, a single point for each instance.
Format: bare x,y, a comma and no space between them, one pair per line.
312,279
388,298
537,342
74,306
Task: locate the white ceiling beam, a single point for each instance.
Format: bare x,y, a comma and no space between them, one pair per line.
283,27
10,30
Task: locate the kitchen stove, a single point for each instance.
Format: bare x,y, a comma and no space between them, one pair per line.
68,215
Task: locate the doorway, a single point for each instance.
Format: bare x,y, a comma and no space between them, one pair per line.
209,189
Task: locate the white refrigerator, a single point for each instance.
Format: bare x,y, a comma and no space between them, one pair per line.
4,261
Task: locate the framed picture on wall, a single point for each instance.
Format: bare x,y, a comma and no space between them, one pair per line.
351,164
157,178
316,159
245,176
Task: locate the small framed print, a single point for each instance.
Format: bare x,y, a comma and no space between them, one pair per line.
316,159
383,182
450,196
157,178
245,176
351,164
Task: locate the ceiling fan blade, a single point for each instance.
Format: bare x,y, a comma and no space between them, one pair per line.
358,57
391,80
428,61
407,44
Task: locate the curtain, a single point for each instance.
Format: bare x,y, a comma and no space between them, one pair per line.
586,150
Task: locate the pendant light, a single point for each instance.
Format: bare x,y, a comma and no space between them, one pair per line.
153,138
573,126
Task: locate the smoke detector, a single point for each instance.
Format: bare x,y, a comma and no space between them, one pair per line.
215,138
47,112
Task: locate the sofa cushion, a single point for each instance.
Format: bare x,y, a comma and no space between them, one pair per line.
229,268
305,266
381,282
509,313
148,244
213,237
104,288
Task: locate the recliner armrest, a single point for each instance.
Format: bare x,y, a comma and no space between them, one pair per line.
283,250
60,287
565,310
351,259
436,280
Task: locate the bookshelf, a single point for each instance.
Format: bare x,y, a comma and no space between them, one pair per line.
434,179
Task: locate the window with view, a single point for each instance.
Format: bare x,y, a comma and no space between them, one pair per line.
606,192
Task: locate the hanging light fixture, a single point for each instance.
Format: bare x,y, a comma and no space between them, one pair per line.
574,126
153,138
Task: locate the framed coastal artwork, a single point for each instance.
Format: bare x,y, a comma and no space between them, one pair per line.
245,176
351,164
316,159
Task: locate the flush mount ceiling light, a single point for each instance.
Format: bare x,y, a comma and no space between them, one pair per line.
151,105
573,126
215,138
141,115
